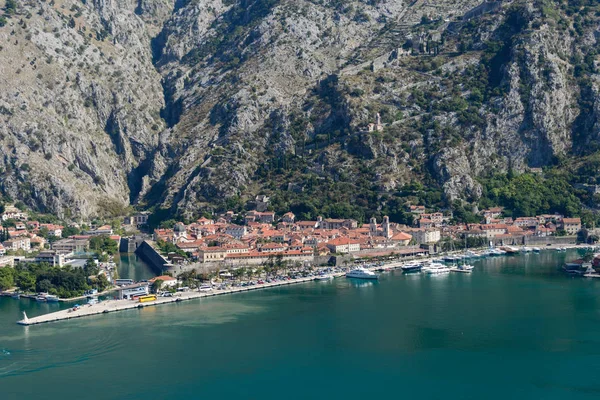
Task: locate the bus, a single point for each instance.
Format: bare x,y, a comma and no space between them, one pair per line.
147,298
123,282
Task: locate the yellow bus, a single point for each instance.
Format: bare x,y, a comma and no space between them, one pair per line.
145,299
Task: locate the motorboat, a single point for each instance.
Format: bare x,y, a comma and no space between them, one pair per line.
464,268
452,258
50,298
536,249
411,267
323,278
41,297
526,249
436,269
510,250
362,273
471,254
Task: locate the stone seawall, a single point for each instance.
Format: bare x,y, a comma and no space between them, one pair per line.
149,254
533,240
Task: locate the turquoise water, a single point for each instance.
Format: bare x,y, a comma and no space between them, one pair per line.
515,328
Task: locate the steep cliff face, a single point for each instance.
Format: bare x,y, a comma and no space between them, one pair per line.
188,104
80,103
249,81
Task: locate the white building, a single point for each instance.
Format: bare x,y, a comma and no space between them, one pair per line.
167,281
133,291
20,243
343,245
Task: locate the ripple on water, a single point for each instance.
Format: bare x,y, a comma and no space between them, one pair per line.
33,352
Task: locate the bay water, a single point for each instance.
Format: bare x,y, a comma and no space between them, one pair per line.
515,328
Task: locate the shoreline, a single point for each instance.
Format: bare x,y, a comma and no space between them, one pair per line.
110,306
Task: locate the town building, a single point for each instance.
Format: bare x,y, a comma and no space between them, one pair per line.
343,245
236,231
213,253
138,219
262,202
18,243
571,225
52,257
166,281
7,262
427,235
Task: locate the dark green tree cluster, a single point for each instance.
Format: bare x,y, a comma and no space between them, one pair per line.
103,243
528,195
4,234
167,247
64,282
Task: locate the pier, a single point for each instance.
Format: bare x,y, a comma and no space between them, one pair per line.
109,306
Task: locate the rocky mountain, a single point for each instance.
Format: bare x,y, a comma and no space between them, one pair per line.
205,103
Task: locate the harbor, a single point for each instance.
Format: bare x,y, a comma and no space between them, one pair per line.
436,266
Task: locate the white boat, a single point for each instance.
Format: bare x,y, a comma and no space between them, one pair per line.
92,300
536,249
526,249
495,252
411,267
362,273
510,249
436,269
460,269
471,254
323,278
50,298
41,297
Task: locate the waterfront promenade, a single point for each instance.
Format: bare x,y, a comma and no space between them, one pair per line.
109,306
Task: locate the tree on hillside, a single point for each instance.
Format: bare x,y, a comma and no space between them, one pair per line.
6,278
25,280
70,231
103,243
90,267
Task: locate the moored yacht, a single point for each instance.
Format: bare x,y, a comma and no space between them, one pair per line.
362,273
50,298
436,269
510,250
323,278
411,267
